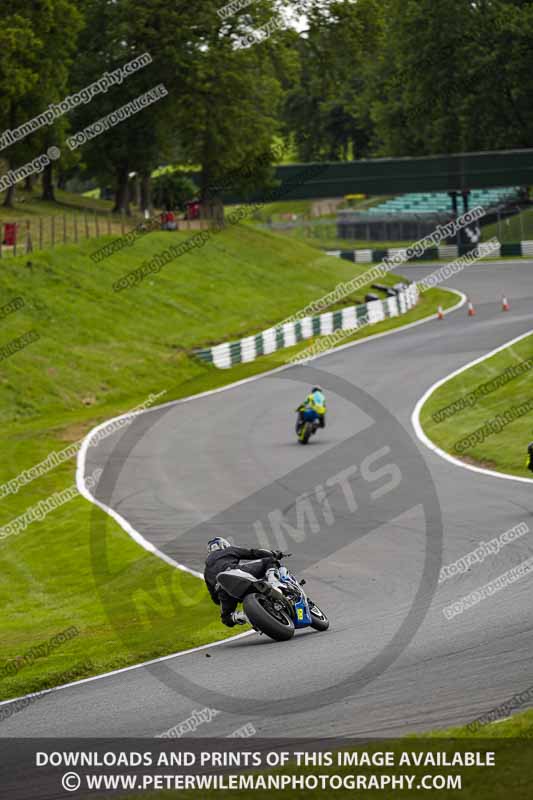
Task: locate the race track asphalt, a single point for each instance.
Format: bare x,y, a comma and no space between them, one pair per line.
369,500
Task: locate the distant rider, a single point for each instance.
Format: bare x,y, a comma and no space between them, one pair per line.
222,555
316,403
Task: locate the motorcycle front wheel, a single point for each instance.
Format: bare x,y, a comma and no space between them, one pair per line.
305,433
320,621
264,616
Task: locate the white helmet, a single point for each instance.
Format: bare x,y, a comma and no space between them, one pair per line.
218,543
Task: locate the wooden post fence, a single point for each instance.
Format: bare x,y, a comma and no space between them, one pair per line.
29,243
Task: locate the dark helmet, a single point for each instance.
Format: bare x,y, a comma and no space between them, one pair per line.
218,543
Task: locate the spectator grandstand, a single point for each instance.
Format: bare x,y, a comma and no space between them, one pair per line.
411,216
440,202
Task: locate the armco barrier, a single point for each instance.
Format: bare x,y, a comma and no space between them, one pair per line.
445,251
290,333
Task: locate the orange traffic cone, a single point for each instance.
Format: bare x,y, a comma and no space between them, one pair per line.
471,309
440,313
505,304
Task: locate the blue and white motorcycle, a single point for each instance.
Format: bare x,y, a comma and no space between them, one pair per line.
276,610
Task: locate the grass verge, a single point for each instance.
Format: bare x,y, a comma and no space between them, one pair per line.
509,740
462,406
100,354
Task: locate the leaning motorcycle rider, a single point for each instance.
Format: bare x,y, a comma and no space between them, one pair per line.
222,555
316,403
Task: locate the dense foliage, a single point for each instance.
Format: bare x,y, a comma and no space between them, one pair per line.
335,80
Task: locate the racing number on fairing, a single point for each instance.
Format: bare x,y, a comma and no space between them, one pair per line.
300,613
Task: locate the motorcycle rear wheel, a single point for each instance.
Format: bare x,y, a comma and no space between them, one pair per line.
275,623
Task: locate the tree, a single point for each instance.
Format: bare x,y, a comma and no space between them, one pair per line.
224,97
326,110
502,43
113,36
424,76
453,76
65,22
18,73
36,46
173,190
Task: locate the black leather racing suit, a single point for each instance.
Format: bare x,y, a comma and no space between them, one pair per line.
256,562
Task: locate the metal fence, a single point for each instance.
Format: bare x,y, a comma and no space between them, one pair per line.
511,225
362,227
507,223
388,227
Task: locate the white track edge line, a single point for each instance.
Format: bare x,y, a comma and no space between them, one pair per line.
424,438
144,543
158,660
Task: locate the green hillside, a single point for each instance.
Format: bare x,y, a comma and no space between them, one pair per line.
100,353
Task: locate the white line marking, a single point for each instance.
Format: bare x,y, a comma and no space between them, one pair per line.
415,417
126,669
139,538
135,535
